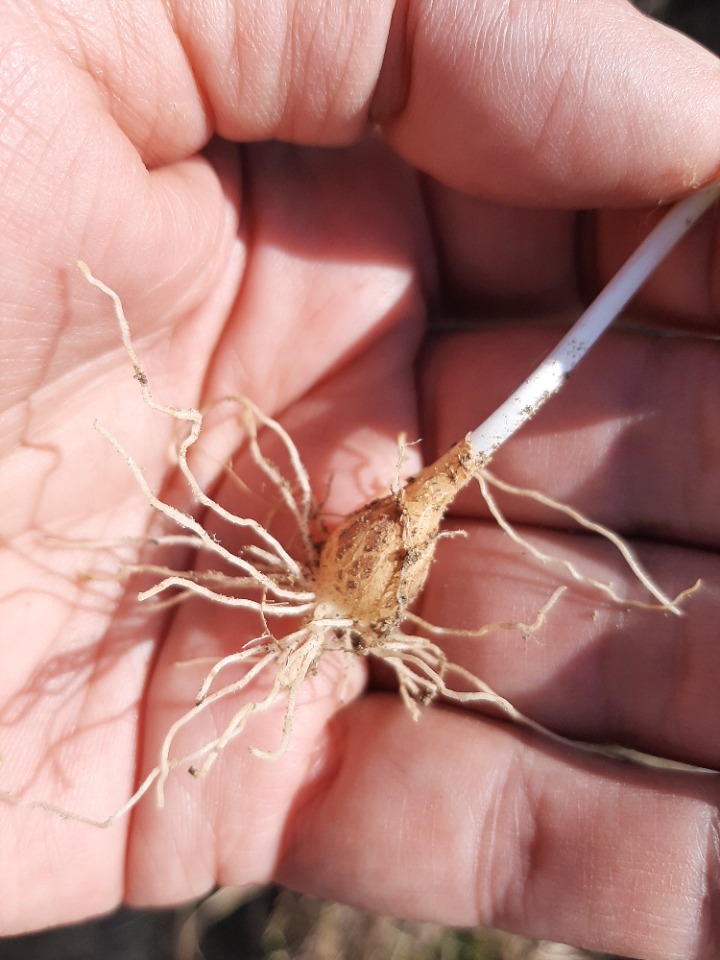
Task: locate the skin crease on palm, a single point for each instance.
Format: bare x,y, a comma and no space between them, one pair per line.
136,136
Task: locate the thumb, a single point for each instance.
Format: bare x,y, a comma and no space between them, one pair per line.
550,102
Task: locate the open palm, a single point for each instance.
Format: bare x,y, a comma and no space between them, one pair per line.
303,277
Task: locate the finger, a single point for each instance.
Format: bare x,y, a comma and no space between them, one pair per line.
595,669
683,291
500,260
463,821
631,441
507,261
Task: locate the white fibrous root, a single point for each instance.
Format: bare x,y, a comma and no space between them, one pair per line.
352,591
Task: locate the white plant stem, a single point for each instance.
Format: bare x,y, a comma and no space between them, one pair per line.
547,379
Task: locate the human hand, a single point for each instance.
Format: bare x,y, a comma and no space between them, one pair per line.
301,278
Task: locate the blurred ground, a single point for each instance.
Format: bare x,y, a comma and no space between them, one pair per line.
698,18
273,924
